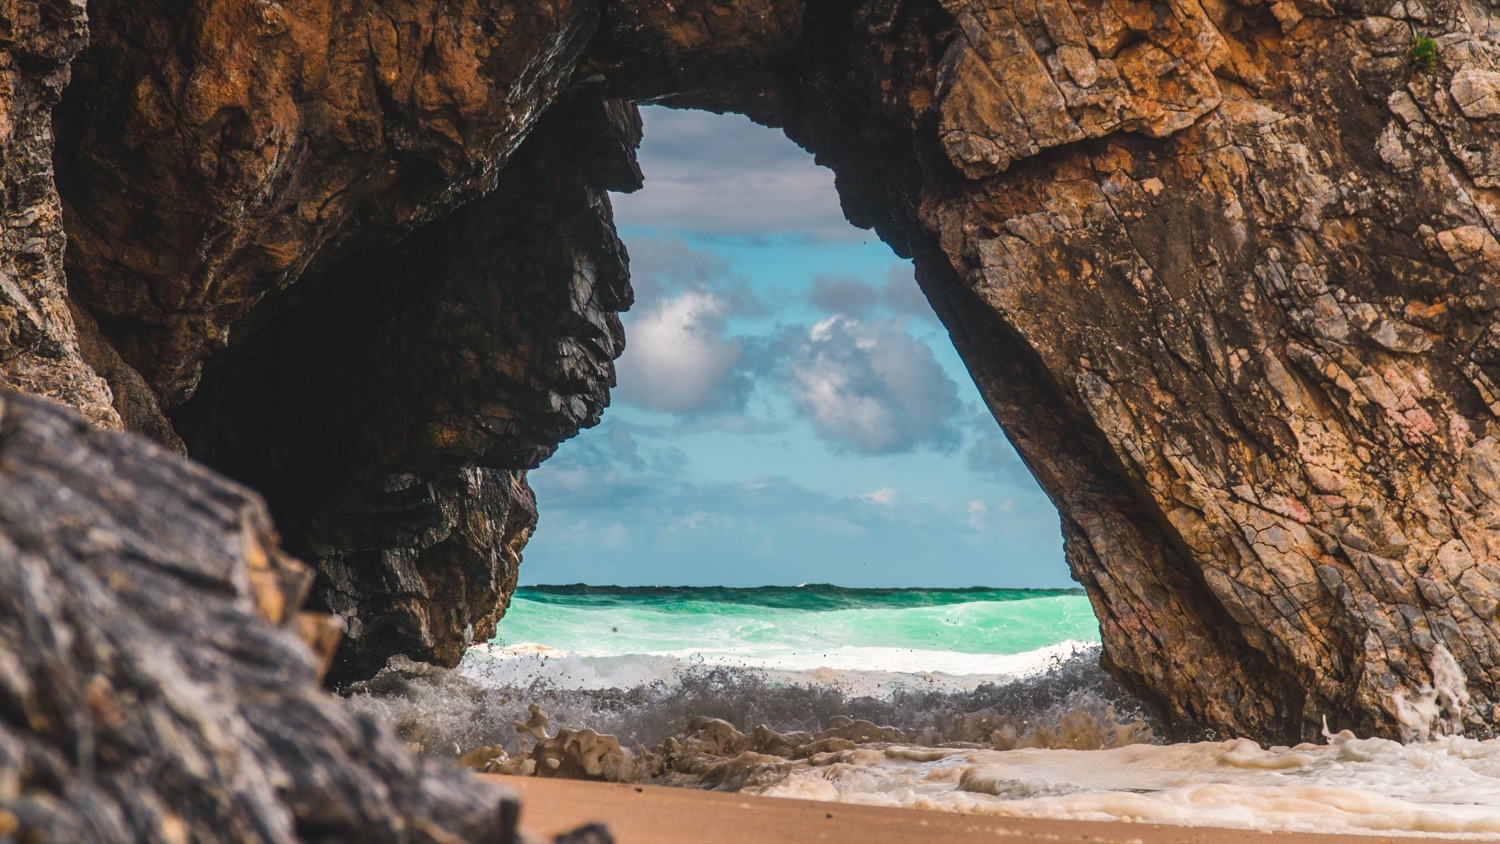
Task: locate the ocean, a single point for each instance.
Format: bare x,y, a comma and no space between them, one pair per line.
618,636
977,700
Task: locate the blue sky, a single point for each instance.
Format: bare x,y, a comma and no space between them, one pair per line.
789,409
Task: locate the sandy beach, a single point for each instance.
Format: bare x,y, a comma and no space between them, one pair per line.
645,814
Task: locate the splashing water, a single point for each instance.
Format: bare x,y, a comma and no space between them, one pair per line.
1436,707
903,710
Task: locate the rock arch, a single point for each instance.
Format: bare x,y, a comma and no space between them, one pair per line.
1224,272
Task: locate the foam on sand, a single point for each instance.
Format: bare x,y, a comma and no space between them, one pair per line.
890,719
1350,785
1080,767
1054,744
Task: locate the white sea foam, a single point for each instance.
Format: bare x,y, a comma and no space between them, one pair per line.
1044,733
859,671
1449,786
1437,706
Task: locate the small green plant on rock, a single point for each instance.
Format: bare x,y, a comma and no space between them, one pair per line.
1422,55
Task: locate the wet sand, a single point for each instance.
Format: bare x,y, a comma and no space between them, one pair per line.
647,814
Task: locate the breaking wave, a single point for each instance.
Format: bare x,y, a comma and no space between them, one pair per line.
1038,732
452,711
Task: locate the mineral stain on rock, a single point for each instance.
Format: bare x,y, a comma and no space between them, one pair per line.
1224,273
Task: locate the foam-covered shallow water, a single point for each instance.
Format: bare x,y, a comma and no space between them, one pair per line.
877,697
1450,785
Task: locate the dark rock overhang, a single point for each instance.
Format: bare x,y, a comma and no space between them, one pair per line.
1224,272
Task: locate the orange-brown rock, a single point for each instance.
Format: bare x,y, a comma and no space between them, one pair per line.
39,346
212,153
1224,272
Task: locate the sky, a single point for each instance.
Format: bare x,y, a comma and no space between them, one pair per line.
789,409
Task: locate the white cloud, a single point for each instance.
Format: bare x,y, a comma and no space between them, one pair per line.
840,294
991,455
902,295
678,360
664,265
978,514
872,388
885,496
774,530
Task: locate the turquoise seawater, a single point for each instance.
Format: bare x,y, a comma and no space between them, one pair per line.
801,627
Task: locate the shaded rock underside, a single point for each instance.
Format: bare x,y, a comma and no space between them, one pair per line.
1223,270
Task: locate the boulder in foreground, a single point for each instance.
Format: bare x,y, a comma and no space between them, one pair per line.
153,683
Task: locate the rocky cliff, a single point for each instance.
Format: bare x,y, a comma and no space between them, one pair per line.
1223,271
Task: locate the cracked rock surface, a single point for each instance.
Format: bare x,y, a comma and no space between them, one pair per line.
1261,320
153,685
39,346
1224,271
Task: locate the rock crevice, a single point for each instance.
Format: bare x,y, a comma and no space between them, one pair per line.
1223,271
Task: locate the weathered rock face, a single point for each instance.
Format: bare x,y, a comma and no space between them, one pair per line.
213,156
1273,327
214,152
39,348
1223,271
1225,274
152,683
408,490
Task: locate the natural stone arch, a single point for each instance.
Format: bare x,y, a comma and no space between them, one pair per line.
1216,298
1224,273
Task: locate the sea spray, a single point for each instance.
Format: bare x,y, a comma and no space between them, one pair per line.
1436,707
449,712
640,662
753,705
1073,759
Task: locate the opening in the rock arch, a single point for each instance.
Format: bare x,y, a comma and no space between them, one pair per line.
796,507
789,408
795,511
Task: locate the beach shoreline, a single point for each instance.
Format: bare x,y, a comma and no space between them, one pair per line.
652,814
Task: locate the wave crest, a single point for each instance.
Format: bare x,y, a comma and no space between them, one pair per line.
1067,702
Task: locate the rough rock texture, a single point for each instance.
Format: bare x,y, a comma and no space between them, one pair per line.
214,152
1224,271
39,348
1225,274
1269,335
152,683
466,354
